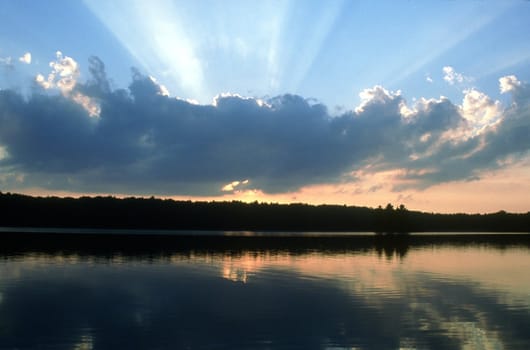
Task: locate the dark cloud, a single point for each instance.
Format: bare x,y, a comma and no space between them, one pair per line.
146,142
504,144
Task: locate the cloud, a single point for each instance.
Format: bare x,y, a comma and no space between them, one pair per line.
25,58
145,141
453,77
232,186
480,110
3,153
63,77
509,83
6,62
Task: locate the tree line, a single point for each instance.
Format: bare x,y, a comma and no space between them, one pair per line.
18,210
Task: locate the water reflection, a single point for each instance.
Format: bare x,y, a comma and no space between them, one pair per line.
434,294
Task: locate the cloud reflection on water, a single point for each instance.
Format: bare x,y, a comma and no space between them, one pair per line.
312,300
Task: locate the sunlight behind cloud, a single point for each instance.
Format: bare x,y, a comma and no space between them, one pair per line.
234,186
152,32
264,48
64,77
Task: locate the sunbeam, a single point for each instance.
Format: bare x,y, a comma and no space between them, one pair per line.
310,38
432,42
157,39
280,41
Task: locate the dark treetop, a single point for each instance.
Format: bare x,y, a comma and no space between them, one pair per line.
140,213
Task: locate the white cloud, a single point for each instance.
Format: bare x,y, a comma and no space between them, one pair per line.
64,75
508,83
428,78
3,153
480,110
88,104
67,69
191,101
6,60
452,77
46,83
25,58
225,95
377,94
230,187
234,185
163,90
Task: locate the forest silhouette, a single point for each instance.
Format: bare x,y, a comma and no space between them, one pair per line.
17,210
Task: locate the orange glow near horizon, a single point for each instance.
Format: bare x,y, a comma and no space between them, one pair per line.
507,189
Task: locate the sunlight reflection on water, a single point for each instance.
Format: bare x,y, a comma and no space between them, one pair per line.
434,296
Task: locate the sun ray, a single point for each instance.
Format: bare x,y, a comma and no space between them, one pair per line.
157,40
313,37
434,44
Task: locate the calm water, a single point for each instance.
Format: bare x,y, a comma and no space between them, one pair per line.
416,292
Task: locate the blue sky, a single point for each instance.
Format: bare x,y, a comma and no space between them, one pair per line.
334,69
326,50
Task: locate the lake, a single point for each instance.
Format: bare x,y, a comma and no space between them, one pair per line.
260,291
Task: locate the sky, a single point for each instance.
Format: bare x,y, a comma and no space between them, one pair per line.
421,103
